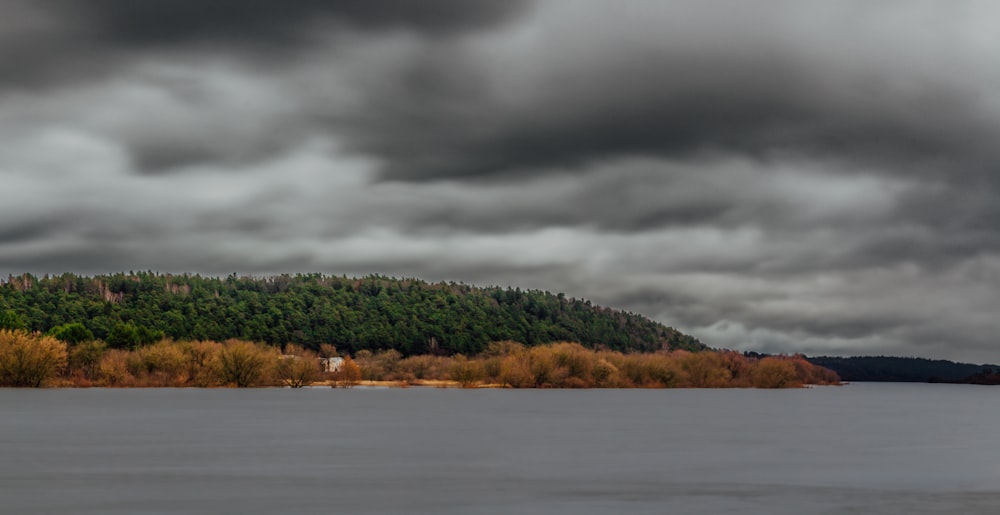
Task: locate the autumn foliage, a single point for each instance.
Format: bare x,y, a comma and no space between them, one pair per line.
570,365
348,375
29,359
298,367
32,359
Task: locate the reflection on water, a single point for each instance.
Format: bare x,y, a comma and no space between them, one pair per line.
865,448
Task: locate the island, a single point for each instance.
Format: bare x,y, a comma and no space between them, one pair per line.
150,329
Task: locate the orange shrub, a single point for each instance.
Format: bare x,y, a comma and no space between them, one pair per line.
244,364
113,369
812,374
605,374
543,367
576,364
773,372
467,373
515,372
161,364
705,370
29,359
652,371
348,375
32,359
734,368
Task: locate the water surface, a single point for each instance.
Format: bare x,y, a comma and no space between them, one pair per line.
862,448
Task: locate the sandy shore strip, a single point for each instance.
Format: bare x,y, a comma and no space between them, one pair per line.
420,383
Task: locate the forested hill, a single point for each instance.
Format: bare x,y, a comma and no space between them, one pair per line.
906,370
374,312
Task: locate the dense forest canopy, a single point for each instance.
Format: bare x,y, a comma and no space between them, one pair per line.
373,312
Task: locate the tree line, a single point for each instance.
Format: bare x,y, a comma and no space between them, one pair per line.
899,369
131,310
34,359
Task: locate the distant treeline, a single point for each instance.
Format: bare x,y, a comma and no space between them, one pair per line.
128,311
34,359
989,376
907,370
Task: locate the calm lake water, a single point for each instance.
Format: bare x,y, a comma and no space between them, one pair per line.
861,448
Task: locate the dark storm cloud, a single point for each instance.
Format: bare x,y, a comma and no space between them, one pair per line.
434,119
167,22
84,257
63,43
20,232
52,42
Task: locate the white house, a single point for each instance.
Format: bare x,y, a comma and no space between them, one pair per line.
331,364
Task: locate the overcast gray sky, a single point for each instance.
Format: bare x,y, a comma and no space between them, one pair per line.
779,175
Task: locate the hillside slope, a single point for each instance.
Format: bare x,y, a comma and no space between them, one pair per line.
374,312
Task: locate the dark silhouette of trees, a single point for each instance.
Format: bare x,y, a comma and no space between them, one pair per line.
897,369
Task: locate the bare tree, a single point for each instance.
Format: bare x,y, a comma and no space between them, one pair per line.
298,367
348,375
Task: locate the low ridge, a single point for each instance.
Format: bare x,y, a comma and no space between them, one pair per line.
372,312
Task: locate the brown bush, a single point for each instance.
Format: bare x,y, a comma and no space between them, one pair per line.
348,375
652,371
85,360
705,370
515,372
543,367
421,367
811,374
739,368
244,364
605,374
574,362
201,357
775,373
162,364
385,365
507,363
29,360
298,367
114,369
371,370
467,373
574,382
492,369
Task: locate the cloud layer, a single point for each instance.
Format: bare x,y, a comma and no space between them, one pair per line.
788,176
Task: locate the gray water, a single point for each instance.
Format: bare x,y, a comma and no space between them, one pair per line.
861,448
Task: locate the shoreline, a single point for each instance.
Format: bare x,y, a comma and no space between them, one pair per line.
418,383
